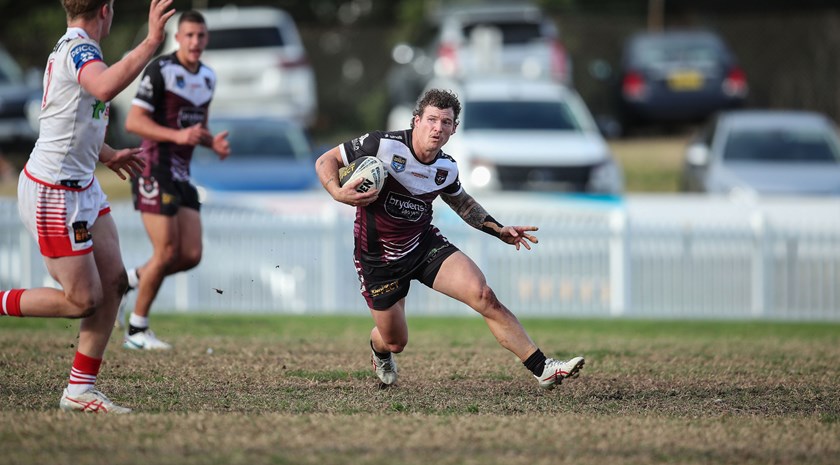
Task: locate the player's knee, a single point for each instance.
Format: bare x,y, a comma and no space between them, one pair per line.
486,297
395,347
191,259
83,306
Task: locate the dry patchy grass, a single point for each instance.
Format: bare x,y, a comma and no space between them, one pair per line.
298,390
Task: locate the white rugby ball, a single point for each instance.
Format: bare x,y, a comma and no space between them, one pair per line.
371,169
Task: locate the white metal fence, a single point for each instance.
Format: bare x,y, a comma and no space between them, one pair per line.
647,257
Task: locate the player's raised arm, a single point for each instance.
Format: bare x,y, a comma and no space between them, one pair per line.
476,216
104,82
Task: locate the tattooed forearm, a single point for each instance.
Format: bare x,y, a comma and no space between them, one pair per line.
473,213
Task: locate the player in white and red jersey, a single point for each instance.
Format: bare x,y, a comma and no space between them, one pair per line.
170,114
396,242
59,198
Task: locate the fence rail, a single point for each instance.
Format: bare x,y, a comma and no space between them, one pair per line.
643,257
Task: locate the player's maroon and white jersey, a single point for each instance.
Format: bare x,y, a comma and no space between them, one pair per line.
177,98
393,225
72,121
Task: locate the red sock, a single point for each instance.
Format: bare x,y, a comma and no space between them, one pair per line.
10,302
83,374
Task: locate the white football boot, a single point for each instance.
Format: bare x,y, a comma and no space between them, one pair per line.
385,368
556,370
145,340
91,401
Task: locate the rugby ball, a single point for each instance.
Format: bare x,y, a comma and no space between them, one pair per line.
371,169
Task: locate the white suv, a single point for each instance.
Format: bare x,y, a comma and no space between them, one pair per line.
526,135
259,59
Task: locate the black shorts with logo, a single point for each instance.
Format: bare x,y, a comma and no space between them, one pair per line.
384,285
162,195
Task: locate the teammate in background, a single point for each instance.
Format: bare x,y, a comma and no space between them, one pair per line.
60,200
170,114
395,241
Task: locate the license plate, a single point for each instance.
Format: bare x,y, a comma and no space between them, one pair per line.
685,80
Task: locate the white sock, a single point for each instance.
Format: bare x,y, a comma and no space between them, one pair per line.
138,321
133,279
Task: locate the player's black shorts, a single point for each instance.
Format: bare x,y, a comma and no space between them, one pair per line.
161,194
385,285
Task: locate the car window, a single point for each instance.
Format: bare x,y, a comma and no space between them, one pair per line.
694,52
519,115
783,145
512,33
266,141
223,39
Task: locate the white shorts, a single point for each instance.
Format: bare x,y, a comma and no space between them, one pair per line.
59,217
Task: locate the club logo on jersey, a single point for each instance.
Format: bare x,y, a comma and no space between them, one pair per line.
144,90
441,175
84,54
180,82
149,189
398,163
357,143
404,207
99,109
80,232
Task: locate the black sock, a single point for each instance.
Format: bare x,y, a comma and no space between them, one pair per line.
132,330
382,355
535,363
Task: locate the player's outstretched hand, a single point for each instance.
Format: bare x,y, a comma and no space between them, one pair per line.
159,14
347,194
124,162
517,235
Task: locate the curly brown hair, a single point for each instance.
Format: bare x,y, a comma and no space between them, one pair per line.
438,98
83,8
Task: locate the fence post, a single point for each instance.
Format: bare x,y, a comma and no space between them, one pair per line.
760,271
619,263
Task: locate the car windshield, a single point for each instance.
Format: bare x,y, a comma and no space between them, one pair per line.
262,141
781,145
521,115
512,33
695,52
256,37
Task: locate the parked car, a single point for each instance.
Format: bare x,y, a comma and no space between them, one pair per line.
677,76
490,38
520,134
765,152
18,91
260,62
267,154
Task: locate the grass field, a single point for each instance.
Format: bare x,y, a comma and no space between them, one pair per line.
299,390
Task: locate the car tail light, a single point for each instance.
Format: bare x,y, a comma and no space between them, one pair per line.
295,62
558,61
633,86
447,62
735,84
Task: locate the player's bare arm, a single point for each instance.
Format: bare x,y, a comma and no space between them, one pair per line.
125,162
476,216
327,167
139,121
104,82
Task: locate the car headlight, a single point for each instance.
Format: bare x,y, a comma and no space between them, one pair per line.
483,175
606,178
